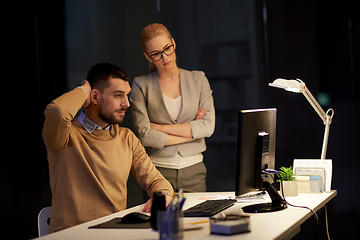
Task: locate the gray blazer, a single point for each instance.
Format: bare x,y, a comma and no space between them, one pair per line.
147,105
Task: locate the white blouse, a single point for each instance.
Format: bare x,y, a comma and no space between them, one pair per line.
173,106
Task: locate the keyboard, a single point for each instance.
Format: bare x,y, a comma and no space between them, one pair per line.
209,208
255,194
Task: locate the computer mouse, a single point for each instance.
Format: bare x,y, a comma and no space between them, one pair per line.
135,217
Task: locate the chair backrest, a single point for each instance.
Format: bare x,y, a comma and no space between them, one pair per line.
44,221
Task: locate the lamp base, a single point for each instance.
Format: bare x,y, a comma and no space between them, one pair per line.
307,166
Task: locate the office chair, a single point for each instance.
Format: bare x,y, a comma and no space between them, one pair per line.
44,221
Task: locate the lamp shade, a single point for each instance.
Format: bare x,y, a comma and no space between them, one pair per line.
296,86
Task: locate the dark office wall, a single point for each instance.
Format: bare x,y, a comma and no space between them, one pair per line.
33,73
318,42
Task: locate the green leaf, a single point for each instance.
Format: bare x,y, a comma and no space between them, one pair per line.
287,173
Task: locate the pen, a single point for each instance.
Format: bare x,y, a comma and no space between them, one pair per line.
197,222
182,203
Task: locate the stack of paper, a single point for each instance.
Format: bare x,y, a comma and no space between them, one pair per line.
230,226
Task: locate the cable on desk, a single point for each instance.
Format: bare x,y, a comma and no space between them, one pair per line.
273,171
326,223
314,213
268,171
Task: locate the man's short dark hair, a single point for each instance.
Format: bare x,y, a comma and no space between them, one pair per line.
99,75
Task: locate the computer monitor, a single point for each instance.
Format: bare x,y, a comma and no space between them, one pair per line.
256,152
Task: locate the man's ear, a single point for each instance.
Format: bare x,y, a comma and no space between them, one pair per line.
95,96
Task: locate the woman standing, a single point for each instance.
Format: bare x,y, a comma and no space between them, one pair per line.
173,111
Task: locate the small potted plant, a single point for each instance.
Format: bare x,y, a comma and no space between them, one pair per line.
288,182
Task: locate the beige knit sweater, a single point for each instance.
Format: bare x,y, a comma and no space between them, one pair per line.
89,172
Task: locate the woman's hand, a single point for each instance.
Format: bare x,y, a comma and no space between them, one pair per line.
200,113
155,126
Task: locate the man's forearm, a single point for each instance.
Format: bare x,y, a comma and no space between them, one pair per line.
58,116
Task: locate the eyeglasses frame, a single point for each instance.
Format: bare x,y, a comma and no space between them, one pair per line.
161,52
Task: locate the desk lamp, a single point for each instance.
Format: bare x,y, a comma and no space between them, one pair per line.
298,86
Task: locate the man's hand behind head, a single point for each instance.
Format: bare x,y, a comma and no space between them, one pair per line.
85,85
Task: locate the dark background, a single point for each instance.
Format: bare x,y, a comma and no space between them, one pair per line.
48,47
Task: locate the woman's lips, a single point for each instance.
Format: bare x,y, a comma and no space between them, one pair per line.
167,63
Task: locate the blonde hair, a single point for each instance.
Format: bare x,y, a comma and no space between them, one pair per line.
149,32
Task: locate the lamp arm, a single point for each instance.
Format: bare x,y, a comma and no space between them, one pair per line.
314,104
325,141
323,115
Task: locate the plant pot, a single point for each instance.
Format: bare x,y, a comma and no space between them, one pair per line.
290,188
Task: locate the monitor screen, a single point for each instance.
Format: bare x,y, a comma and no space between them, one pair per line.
255,148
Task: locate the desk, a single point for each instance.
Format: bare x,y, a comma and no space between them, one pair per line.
276,225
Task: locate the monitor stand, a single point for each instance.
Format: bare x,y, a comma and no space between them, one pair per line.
277,203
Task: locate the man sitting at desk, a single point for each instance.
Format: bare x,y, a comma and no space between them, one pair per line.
90,157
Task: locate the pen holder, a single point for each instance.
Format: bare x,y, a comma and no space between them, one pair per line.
170,225
158,205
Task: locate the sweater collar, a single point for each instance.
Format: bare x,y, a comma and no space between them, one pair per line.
90,126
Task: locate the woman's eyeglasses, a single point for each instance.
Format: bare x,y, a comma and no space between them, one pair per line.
158,55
